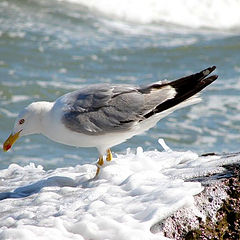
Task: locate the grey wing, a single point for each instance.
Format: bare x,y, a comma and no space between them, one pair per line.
100,109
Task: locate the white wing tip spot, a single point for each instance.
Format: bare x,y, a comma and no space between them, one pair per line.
206,72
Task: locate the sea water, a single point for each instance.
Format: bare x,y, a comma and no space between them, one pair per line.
48,48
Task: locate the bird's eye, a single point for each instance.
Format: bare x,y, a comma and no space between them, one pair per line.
21,121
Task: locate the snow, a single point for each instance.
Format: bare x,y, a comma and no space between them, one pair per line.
131,194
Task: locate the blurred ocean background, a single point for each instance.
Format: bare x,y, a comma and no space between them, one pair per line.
50,47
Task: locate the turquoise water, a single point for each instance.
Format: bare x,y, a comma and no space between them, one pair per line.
48,48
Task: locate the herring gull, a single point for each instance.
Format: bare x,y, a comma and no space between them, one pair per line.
105,115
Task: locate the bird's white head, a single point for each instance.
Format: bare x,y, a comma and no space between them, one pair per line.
28,122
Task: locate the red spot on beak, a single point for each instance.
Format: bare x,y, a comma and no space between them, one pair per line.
10,141
8,147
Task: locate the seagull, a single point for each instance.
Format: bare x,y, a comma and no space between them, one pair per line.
105,115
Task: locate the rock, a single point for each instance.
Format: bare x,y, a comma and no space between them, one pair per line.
215,214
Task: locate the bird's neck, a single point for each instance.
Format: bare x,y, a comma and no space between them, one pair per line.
44,115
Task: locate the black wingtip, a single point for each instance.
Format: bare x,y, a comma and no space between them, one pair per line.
209,80
213,68
204,73
185,88
214,77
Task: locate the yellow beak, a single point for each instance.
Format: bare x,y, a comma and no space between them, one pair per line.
10,141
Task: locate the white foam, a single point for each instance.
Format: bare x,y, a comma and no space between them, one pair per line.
131,194
218,14
8,113
19,98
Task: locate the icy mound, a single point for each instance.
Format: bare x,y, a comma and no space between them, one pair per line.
132,193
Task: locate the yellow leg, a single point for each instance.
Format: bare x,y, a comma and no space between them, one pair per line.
99,164
109,155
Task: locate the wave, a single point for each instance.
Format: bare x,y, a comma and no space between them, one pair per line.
216,14
131,194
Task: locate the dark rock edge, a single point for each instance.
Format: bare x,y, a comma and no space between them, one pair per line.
219,202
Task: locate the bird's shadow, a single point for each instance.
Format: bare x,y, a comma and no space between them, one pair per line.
30,189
